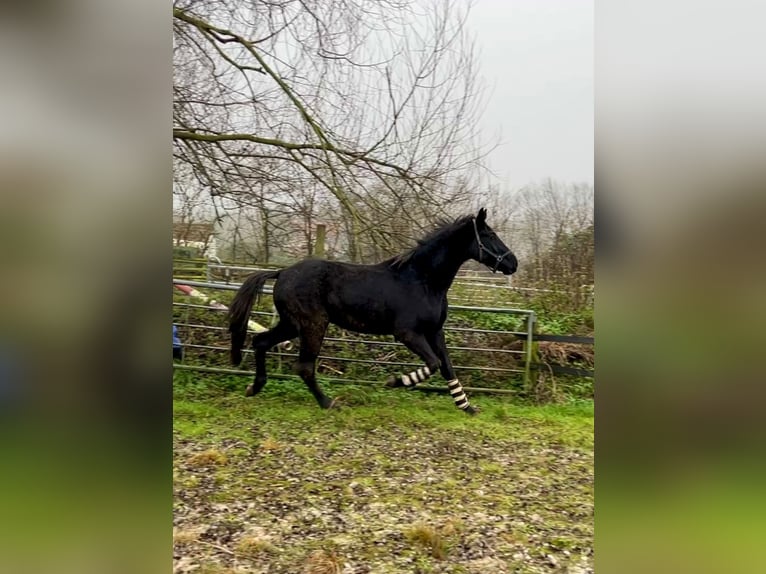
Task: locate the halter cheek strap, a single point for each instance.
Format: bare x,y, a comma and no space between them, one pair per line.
482,247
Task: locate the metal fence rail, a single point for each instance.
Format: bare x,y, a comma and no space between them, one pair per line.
472,351
473,286
343,340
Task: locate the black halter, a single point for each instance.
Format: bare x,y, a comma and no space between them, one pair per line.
482,247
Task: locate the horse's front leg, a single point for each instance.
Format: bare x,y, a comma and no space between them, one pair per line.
418,344
412,378
439,344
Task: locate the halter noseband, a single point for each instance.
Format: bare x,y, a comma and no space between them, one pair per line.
482,247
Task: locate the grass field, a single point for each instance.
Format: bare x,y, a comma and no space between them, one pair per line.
395,482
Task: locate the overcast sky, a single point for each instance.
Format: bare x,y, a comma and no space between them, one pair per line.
536,57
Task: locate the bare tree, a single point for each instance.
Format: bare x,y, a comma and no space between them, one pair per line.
364,104
192,218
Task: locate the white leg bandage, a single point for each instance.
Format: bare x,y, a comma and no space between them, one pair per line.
456,390
416,377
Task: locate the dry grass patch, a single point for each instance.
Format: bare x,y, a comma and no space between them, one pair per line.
428,537
252,546
565,353
215,569
452,527
270,445
185,535
322,562
209,457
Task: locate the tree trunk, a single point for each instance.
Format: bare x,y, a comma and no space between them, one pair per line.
319,243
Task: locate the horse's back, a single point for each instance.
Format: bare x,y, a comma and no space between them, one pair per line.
365,298
305,278
311,280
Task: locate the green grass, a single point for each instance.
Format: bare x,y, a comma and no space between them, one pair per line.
393,481
204,401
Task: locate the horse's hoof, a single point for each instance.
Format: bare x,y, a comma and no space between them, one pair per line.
331,404
249,390
394,382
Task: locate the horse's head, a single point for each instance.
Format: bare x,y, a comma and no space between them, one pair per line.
488,249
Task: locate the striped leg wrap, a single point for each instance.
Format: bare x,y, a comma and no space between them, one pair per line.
456,390
416,377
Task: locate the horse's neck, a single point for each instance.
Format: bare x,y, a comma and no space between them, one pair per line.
439,269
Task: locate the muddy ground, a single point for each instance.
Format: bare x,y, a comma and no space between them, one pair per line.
396,482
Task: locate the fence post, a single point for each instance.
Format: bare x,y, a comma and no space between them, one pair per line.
319,243
531,354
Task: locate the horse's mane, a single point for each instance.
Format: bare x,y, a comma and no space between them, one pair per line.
444,228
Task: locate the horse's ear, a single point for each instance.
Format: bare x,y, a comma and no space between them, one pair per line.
482,216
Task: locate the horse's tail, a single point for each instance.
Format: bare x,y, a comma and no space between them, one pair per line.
239,310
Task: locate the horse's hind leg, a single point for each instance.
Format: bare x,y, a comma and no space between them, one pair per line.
262,342
311,343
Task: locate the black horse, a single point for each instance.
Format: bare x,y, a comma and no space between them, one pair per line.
405,296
